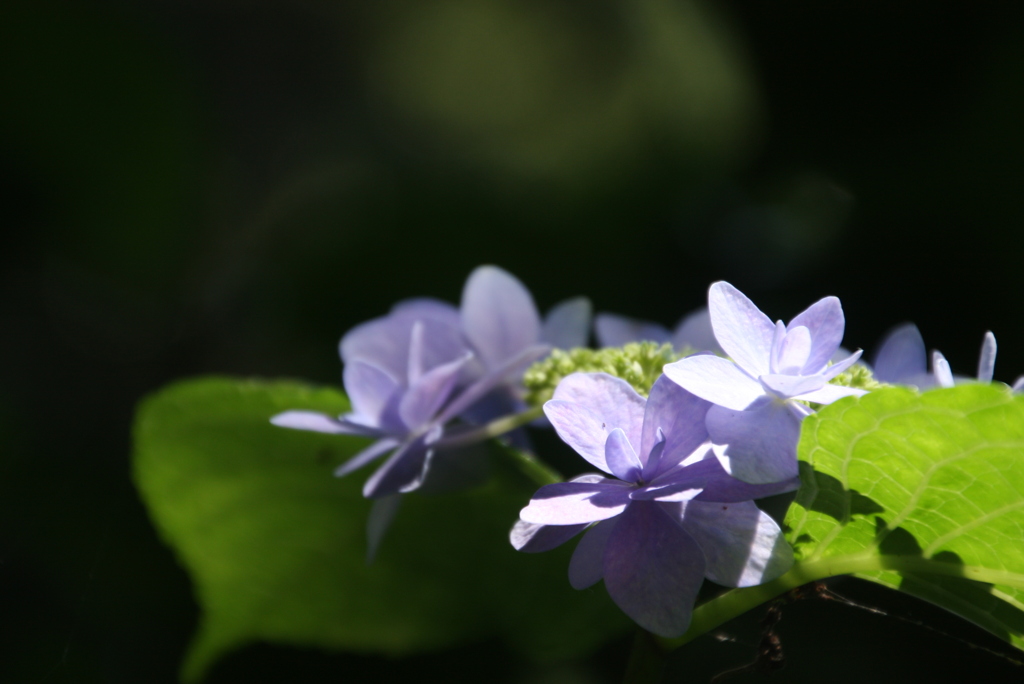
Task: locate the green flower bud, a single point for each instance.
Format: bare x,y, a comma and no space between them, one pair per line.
638,363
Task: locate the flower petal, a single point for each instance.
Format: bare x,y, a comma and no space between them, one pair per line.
740,328
426,395
829,393
382,514
613,330
578,427
680,417
620,456
715,379
669,493
406,468
712,482
653,569
842,364
502,374
567,324
694,331
371,389
316,422
586,567
742,545
758,445
786,386
534,538
987,359
794,351
572,503
941,370
384,342
381,446
901,356
825,321
419,308
612,401
499,317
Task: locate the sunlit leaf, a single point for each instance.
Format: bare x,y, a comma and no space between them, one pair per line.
920,492
276,546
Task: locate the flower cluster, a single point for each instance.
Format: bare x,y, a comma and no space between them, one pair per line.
686,428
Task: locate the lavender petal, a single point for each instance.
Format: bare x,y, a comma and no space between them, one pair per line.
695,331
572,503
499,317
581,429
370,388
841,365
382,514
567,324
494,378
586,567
742,545
829,393
786,386
794,352
825,321
621,458
534,538
385,341
715,379
404,470
941,370
315,422
427,394
367,455
987,359
653,569
679,415
612,401
613,330
901,356
420,308
740,328
757,446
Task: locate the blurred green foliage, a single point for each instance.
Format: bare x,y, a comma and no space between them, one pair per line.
276,547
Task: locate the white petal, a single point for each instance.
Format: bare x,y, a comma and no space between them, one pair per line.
941,370
743,331
987,360
715,379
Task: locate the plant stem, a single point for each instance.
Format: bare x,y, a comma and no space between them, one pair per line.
737,601
647,658
527,463
495,428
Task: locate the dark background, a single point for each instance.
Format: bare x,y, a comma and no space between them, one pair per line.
226,187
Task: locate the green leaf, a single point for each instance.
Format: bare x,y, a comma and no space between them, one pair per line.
276,546
923,493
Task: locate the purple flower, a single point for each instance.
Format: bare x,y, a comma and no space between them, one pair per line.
410,373
667,518
759,393
501,325
902,360
401,374
693,331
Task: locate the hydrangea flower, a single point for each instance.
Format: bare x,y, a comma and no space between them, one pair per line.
668,516
500,322
903,360
411,372
761,392
401,374
692,332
